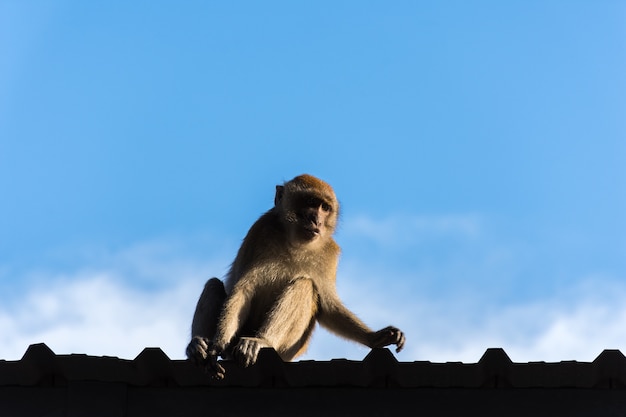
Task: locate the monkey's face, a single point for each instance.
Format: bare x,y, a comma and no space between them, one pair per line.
308,208
310,217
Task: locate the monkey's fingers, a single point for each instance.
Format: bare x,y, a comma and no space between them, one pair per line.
214,368
401,339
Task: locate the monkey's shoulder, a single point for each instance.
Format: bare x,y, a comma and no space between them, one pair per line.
268,228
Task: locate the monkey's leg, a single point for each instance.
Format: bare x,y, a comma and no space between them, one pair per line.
205,318
287,327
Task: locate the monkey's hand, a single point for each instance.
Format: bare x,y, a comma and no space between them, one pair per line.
388,336
247,350
203,353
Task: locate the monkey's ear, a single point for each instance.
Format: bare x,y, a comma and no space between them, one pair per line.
279,194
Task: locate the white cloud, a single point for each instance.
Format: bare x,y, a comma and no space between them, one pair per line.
403,229
575,325
97,315
141,296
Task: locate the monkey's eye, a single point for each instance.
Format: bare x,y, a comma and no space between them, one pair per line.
326,207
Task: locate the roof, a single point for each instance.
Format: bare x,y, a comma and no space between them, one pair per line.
155,376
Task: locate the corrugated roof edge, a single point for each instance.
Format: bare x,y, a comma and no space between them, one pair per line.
40,366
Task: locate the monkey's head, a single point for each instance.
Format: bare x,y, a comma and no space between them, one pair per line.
308,207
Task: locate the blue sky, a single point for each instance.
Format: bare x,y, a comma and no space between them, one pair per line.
478,150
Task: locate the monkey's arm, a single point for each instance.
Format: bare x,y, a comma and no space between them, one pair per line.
337,318
334,316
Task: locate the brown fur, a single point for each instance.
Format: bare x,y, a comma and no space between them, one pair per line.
281,282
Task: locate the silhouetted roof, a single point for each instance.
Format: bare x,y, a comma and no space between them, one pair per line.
152,384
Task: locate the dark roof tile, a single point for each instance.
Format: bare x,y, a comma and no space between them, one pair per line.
379,369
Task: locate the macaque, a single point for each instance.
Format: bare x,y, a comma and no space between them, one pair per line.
282,282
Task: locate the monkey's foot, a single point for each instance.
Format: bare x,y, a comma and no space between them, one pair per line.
197,350
203,354
247,350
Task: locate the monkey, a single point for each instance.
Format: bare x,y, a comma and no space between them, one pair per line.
281,283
